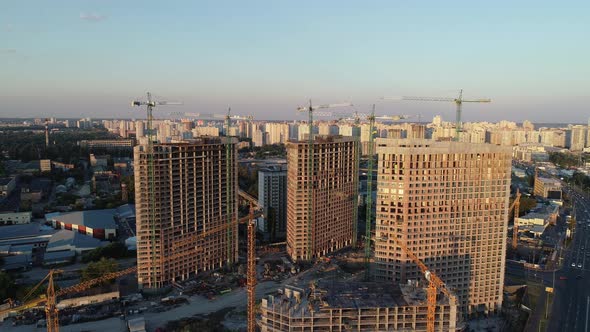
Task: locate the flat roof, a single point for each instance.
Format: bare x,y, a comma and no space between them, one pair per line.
5,181
362,294
96,219
67,240
19,231
125,211
56,255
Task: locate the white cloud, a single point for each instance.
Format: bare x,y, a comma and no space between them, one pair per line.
92,17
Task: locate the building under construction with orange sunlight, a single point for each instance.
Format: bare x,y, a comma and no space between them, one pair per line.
448,203
355,306
186,215
321,205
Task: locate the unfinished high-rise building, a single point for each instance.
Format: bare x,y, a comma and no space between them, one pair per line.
184,217
321,205
448,203
355,306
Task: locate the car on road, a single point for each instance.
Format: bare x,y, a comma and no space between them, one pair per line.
573,264
579,276
579,265
562,278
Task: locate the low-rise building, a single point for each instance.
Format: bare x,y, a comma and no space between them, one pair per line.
15,218
32,233
99,161
6,186
75,242
45,165
99,224
547,187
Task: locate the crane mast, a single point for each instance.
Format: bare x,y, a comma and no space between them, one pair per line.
228,187
51,311
434,285
371,117
51,306
369,206
516,208
251,274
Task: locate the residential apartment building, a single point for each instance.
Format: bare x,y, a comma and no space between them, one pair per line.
577,138
193,194
448,203
321,206
272,196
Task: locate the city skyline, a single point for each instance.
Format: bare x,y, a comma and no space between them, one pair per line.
265,59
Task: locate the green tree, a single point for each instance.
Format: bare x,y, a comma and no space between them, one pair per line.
97,269
114,250
7,286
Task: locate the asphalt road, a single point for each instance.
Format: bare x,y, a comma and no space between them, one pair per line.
571,306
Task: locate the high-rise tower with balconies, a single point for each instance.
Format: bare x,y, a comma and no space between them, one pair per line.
192,195
448,203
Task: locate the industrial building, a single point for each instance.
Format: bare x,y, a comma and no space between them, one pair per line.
193,193
272,196
99,224
321,207
448,203
354,306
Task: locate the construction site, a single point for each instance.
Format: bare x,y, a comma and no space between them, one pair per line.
195,252
346,306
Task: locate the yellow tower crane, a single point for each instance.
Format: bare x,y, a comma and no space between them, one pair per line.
435,284
50,298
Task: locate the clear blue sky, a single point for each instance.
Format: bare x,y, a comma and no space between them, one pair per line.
90,58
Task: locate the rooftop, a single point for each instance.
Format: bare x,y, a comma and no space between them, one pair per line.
549,181
71,240
104,219
125,211
19,231
5,181
58,255
362,295
349,295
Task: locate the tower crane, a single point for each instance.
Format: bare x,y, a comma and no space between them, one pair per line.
255,211
251,271
51,295
311,110
150,104
371,117
435,284
458,102
516,208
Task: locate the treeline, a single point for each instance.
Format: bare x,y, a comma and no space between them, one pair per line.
565,160
114,250
27,146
